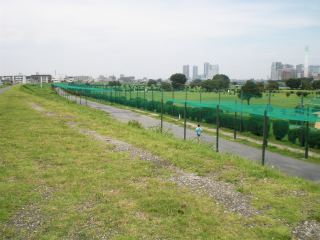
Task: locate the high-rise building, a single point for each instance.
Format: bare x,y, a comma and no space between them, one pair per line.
314,68
212,71
299,68
195,72
186,70
276,70
306,56
205,69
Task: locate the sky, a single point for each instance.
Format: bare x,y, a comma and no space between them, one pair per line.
155,38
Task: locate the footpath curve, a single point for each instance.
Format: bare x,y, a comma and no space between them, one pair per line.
282,163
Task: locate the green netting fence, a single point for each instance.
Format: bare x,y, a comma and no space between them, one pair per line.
201,106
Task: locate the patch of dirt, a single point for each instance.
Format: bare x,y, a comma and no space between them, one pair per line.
37,107
26,221
307,230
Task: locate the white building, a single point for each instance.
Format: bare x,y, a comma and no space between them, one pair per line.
212,71
15,78
59,78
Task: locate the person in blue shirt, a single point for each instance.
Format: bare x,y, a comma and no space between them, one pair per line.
199,131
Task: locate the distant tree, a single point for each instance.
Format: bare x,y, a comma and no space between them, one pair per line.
272,86
260,85
209,85
293,83
195,83
306,79
316,84
250,90
305,85
87,83
114,83
221,81
234,83
151,81
273,81
159,80
166,86
178,80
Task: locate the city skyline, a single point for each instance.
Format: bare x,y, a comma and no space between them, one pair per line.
155,39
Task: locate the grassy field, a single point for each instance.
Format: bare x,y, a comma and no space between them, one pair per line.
277,99
57,182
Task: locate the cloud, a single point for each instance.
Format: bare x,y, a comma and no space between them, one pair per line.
126,30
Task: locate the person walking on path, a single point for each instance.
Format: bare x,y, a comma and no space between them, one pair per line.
199,131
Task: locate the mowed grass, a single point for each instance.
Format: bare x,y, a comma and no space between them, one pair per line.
277,99
76,188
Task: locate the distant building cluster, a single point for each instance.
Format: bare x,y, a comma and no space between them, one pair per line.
57,78
209,71
281,71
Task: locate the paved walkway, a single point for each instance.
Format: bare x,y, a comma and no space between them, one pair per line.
284,164
6,88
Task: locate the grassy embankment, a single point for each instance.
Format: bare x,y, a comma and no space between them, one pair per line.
87,191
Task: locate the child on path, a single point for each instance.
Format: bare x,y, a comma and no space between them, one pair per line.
199,131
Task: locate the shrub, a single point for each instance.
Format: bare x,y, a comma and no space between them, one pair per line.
299,93
288,94
150,105
280,128
291,91
305,94
227,120
293,134
194,113
254,124
314,139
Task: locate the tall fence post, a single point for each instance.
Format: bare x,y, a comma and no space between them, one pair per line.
137,99
235,126
152,99
185,121
241,112
301,134
186,93
130,96
307,138
144,98
161,112
200,108
217,122
264,137
172,102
